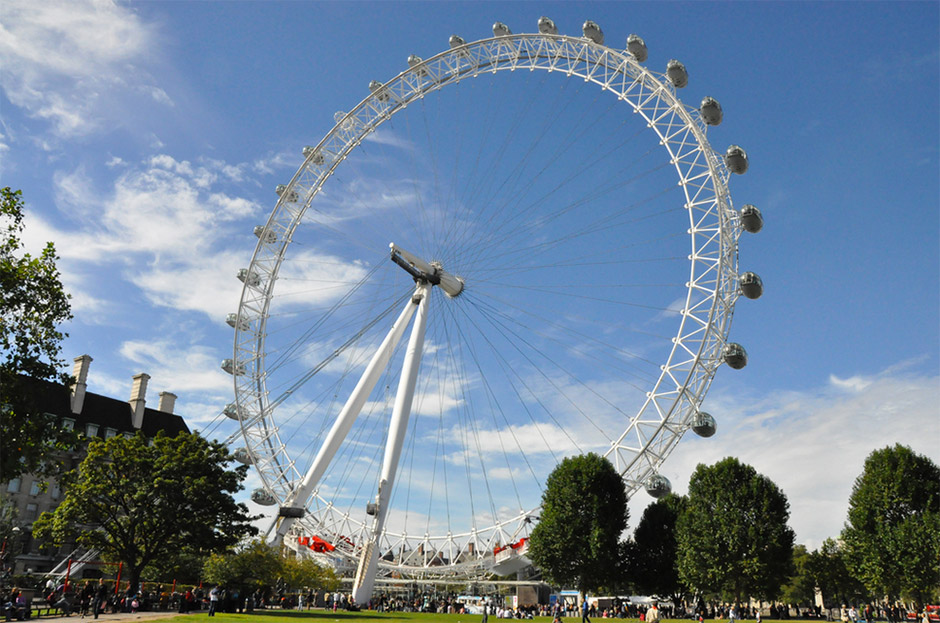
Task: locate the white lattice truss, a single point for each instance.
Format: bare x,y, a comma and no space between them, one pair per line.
712,288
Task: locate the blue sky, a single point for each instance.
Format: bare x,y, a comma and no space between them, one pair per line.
148,138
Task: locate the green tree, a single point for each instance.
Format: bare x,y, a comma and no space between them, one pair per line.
733,536
892,535
257,565
305,573
185,566
801,586
138,502
32,306
653,561
828,567
254,565
584,510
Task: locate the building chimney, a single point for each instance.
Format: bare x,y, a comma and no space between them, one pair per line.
138,401
167,402
80,372
470,548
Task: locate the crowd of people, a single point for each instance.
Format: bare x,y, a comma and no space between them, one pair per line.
94,598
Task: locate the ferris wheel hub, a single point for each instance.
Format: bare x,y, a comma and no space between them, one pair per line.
432,272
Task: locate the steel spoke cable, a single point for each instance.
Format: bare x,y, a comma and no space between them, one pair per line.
515,174
492,397
625,357
573,174
506,333
574,130
509,138
457,372
498,238
511,371
288,353
467,431
480,452
527,226
509,320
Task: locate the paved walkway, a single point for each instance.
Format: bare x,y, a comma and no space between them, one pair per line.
118,617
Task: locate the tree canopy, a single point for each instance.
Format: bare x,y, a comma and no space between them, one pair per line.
733,537
138,501
584,510
831,575
892,535
653,557
801,586
32,306
255,564
258,565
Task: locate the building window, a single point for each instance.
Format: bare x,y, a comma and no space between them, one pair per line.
56,491
35,488
32,512
109,433
128,435
13,486
68,423
91,430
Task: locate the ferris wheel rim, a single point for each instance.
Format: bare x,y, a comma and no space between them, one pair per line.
698,367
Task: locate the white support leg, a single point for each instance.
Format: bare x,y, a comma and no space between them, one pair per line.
365,577
347,416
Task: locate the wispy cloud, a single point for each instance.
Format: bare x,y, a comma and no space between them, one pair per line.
165,226
70,63
184,368
813,443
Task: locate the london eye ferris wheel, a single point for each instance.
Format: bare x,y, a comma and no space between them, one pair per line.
548,224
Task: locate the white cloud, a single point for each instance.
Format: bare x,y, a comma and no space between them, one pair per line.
158,95
384,136
208,286
67,62
280,161
813,443
855,383
179,367
164,226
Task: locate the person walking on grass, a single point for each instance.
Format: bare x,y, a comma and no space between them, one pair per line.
213,600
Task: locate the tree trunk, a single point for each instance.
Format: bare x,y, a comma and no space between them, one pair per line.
133,579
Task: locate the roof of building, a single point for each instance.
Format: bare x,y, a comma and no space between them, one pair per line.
104,411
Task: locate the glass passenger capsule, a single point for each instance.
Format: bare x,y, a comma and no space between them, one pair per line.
751,285
637,47
593,32
547,26
242,456
230,411
710,111
677,74
736,159
734,355
703,424
751,219
262,497
658,486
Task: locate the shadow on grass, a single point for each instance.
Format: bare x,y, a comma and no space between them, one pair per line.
340,615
